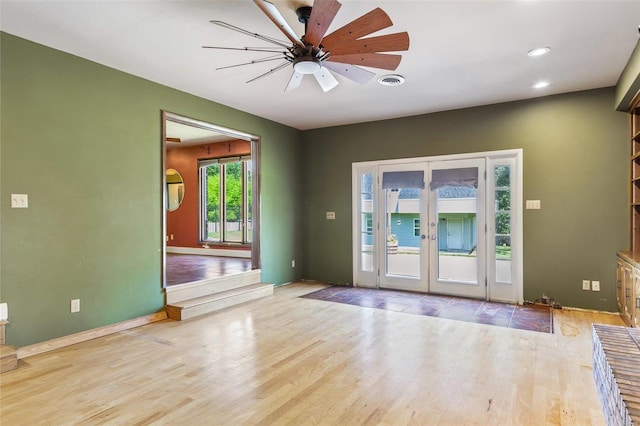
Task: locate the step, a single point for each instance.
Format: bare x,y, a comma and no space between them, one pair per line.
210,286
8,358
202,305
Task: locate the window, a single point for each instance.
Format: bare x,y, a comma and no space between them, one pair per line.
225,200
416,227
502,214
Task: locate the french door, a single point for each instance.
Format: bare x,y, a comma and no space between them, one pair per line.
457,228
446,225
402,205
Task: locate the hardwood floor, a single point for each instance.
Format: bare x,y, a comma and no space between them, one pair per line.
289,360
187,268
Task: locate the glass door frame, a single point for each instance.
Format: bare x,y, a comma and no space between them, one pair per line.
388,280
453,286
515,292
497,289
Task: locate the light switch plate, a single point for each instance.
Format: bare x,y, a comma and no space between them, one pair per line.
19,201
533,204
595,285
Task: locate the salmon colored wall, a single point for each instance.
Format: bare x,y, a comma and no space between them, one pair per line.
182,223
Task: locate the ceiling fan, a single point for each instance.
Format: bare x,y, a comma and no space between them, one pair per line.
344,51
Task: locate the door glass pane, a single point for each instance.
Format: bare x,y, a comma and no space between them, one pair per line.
502,214
233,202
402,208
212,202
248,225
366,221
456,208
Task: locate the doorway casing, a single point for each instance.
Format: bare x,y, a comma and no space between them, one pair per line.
256,179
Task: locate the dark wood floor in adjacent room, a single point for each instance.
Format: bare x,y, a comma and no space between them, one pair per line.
186,268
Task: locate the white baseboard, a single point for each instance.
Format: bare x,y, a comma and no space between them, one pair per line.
246,254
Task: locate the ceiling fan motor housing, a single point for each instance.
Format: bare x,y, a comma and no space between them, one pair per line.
304,14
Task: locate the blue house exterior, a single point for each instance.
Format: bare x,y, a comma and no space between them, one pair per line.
456,231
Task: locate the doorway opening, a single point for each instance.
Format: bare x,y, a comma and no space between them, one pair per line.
447,225
211,196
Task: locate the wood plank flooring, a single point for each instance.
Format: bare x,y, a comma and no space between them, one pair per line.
186,268
289,360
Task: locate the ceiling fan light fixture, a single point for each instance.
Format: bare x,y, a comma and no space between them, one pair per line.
539,51
391,80
306,64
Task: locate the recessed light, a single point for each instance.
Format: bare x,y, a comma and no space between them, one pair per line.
541,85
391,80
539,51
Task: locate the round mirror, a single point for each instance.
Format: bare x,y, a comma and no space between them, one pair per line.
175,189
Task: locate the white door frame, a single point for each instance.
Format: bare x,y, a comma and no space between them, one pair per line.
495,291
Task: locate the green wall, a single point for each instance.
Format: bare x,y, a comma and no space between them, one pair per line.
83,141
575,161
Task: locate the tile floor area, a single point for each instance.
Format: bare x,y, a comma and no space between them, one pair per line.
528,317
186,268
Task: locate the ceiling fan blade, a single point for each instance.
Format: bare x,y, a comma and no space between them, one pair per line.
249,33
385,43
255,61
276,17
247,49
271,71
294,81
326,80
322,15
368,23
373,60
352,72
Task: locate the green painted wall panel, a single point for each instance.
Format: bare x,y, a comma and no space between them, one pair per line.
83,141
575,161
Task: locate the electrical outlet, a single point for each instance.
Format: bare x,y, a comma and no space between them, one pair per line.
586,285
595,285
75,306
293,263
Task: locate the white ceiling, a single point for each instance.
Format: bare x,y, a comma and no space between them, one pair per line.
191,135
462,54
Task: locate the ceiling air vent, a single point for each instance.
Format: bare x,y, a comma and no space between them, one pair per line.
391,80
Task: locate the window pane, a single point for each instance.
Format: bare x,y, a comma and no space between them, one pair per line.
503,247
457,234
233,202
503,199
402,248
212,197
367,184
503,223
249,224
502,176
366,222
502,214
